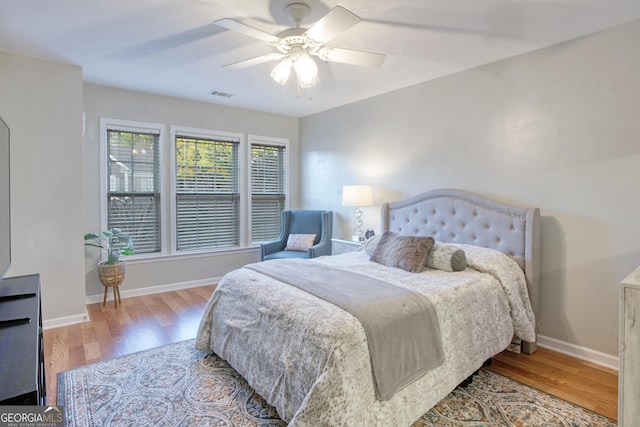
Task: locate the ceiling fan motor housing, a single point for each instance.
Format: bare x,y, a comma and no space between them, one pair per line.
297,12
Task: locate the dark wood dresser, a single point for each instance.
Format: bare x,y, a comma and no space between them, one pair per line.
21,345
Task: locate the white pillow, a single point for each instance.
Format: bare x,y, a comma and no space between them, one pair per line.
369,246
299,242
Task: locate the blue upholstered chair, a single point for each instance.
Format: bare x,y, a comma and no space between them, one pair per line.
301,222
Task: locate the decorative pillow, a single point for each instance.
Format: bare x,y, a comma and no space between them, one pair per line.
406,252
370,245
446,257
299,242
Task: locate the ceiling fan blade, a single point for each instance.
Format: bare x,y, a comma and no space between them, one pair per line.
333,23
353,57
254,61
233,25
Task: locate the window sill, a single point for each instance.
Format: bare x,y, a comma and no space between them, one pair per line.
151,258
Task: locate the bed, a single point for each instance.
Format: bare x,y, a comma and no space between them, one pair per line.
310,358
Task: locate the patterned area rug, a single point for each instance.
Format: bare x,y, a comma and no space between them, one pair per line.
176,385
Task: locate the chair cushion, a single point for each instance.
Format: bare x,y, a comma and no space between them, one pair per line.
286,254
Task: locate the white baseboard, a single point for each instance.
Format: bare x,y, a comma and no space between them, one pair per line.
90,299
593,356
128,293
65,320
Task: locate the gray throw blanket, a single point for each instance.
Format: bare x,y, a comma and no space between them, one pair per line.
401,325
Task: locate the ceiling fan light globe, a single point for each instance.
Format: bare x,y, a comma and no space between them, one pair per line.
280,72
308,83
307,70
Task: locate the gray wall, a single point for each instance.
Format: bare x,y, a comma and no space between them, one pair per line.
41,102
556,128
100,101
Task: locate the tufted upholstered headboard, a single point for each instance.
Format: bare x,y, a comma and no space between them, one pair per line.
457,216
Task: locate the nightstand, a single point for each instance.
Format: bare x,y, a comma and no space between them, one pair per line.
339,246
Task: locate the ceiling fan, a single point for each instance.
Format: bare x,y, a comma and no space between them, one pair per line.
297,45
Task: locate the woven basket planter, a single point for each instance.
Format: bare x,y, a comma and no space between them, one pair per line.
111,274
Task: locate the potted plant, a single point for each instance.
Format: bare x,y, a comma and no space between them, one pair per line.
115,243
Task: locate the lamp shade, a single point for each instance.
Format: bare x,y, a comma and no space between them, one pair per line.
357,195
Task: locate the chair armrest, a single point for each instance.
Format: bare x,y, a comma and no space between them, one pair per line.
323,247
280,243
271,247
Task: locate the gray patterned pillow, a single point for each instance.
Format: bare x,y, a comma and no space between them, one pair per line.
446,257
406,252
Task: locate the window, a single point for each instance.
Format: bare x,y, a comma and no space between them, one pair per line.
218,191
207,193
268,186
133,199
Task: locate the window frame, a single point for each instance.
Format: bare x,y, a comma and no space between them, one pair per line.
107,124
167,166
176,131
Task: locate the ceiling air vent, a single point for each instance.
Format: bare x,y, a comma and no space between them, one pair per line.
222,94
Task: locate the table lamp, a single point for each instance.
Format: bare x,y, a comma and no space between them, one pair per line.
358,196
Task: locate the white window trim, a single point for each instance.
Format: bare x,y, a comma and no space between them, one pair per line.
205,134
265,140
167,181
133,126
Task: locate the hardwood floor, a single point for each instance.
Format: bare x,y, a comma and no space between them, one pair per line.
150,321
586,384
139,323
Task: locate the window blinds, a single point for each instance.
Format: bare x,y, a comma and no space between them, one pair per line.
206,207
268,189
133,196
207,193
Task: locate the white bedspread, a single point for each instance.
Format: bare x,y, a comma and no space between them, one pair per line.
309,358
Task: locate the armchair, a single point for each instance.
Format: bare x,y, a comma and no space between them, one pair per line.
301,222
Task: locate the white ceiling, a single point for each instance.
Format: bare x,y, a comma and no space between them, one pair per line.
171,47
